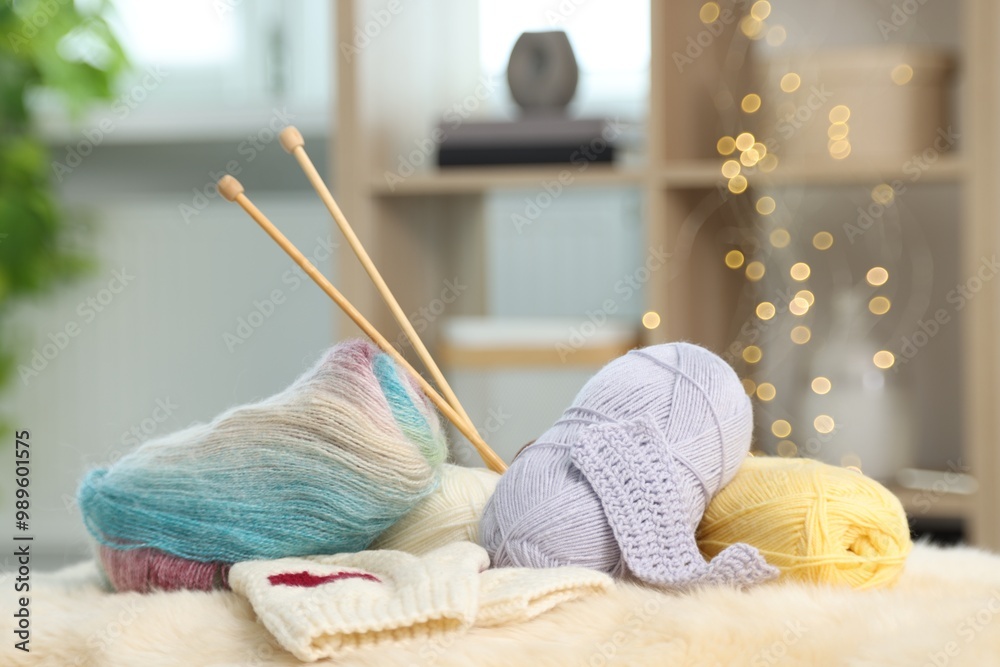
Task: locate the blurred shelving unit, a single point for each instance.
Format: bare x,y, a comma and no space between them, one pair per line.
429,226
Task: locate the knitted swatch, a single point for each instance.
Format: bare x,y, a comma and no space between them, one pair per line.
322,467
450,514
621,481
324,606
814,521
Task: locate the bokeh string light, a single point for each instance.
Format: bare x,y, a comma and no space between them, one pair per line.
746,154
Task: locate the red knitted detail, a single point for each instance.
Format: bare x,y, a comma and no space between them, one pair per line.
309,580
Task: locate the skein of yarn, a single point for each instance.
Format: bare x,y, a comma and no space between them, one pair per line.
323,467
814,521
450,514
620,482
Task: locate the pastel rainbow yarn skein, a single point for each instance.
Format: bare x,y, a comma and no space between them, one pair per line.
323,467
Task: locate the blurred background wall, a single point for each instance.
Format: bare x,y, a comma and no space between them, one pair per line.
190,309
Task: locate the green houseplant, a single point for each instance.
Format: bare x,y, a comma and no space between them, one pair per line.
56,49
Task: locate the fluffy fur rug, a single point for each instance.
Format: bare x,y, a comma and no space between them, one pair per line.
944,611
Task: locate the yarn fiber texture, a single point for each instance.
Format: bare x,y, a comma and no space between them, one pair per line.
148,570
450,514
323,467
814,521
620,482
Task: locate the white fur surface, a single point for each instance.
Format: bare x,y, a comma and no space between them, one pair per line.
945,611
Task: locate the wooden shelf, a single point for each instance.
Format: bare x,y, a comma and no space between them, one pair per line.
707,173
932,505
380,107
680,174
946,169
473,180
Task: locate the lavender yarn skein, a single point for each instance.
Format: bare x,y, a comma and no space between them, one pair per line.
620,482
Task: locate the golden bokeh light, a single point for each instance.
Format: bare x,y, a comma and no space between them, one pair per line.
755,271
790,82
883,194
781,428
768,163
780,238
877,276
821,385
838,131
765,310
798,306
824,423
737,184
730,168
760,10
822,240
725,145
752,354
734,259
787,449
776,35
749,157
840,149
750,103
800,335
651,320
749,386
752,27
852,461
709,12
799,271
766,391
839,114
765,205
879,305
884,359
901,74
805,295
745,140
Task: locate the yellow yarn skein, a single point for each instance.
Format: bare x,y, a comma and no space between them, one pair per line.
816,522
450,514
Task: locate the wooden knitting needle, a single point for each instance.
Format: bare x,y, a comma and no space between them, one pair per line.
291,141
232,190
